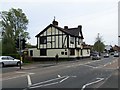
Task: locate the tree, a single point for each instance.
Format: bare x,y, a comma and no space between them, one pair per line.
99,45
13,23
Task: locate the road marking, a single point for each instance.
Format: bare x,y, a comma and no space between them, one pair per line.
117,67
59,76
84,86
70,66
7,78
48,81
73,76
53,81
19,72
88,62
29,80
64,79
83,64
44,85
89,66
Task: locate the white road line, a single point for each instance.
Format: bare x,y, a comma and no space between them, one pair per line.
89,66
82,64
84,86
48,81
44,85
64,79
73,76
88,62
59,76
68,66
13,77
29,80
19,72
7,78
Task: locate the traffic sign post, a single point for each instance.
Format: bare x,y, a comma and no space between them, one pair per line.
21,45
20,49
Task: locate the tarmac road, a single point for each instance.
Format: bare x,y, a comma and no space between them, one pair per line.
75,74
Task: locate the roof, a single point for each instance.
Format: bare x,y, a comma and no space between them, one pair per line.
70,31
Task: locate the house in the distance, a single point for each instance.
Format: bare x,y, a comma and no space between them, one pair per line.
66,42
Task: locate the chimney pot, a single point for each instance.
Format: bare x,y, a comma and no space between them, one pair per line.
79,26
65,27
55,23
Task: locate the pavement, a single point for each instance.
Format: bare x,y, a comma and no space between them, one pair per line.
40,64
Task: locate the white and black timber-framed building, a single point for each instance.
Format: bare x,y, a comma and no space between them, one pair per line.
66,42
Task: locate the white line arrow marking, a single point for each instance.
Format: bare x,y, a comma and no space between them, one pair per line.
64,79
48,82
84,86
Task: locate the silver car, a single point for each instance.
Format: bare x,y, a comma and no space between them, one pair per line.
95,57
8,60
116,54
106,55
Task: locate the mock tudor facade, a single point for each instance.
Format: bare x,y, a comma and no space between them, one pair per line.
66,42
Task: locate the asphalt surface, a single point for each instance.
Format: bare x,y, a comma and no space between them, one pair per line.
79,74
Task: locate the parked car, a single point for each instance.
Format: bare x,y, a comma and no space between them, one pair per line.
116,54
8,60
95,57
106,55
112,53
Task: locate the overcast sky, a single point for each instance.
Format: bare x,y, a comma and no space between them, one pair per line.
95,16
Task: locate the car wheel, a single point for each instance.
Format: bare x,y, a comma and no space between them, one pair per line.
18,63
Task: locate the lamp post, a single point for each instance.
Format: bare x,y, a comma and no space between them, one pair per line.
81,47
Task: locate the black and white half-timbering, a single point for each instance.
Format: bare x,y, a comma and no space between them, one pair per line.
66,42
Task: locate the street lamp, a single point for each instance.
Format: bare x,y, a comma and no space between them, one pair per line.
81,47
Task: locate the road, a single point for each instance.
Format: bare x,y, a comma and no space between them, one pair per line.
79,74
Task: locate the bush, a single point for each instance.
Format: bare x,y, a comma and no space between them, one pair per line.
27,59
17,56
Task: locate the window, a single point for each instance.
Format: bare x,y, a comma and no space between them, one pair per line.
31,52
72,52
78,41
87,51
10,58
72,40
43,52
4,58
43,40
65,53
62,53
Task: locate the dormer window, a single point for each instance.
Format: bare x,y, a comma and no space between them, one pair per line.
43,40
